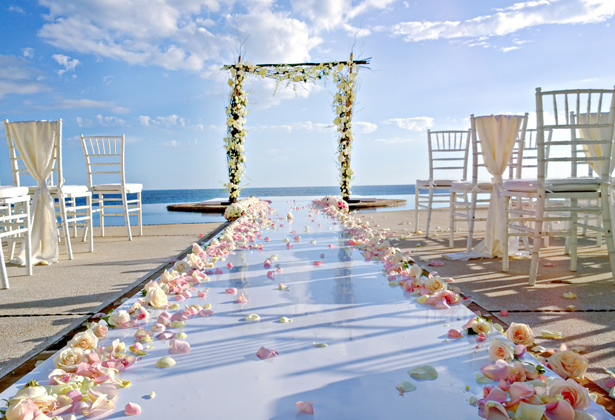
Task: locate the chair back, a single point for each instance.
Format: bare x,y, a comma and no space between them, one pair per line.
104,156
448,154
18,166
515,164
528,153
581,122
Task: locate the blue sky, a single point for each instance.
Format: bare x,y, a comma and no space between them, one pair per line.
151,70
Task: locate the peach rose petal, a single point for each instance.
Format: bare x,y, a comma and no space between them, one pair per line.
305,406
265,353
454,333
132,409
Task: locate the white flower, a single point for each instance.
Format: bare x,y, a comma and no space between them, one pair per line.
68,358
84,340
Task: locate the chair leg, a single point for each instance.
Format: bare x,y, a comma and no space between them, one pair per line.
505,239
471,221
599,233
573,235
69,249
538,224
126,215
416,209
608,226
5,277
90,225
140,213
101,212
451,222
429,203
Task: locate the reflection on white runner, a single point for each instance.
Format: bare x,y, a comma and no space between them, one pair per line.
497,135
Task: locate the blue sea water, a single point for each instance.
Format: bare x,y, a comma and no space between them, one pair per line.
155,201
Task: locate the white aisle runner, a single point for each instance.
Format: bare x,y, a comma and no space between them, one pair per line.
375,333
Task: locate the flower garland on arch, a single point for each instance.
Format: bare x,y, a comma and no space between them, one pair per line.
236,111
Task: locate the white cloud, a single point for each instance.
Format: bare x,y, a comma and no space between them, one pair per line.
171,143
88,103
18,77
509,20
169,121
506,49
65,61
333,14
110,121
16,9
287,128
395,140
414,124
365,127
28,52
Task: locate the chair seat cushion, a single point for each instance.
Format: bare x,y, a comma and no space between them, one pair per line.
130,188
554,185
466,186
437,182
11,192
67,189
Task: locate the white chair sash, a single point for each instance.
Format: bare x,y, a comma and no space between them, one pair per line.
35,141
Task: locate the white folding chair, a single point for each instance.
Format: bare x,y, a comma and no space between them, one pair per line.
448,155
583,120
73,202
463,209
108,152
15,226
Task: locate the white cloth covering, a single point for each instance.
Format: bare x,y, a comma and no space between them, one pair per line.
35,141
497,135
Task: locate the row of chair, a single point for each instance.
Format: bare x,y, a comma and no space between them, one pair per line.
569,157
28,213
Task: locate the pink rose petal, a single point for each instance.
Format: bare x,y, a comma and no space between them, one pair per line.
289,245
454,333
548,264
206,312
231,291
610,383
165,335
279,270
318,263
267,239
241,299
331,246
132,409
481,337
520,350
265,353
179,347
270,274
179,298
230,266
218,271
202,293
504,312
436,263
305,406
496,371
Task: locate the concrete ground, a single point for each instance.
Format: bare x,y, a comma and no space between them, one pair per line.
39,310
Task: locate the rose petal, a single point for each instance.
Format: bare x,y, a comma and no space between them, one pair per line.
497,371
265,353
241,299
165,362
253,318
305,406
454,333
179,347
423,372
206,312
504,312
132,409
231,291
318,263
405,386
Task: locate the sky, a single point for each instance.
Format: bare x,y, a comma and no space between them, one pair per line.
152,70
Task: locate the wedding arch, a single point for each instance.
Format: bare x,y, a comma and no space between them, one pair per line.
344,76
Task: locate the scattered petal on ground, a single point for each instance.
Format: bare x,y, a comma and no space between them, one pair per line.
165,362
253,318
320,344
241,299
504,312
265,353
405,386
552,334
132,409
423,372
285,320
305,406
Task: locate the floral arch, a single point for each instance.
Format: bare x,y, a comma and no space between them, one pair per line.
344,75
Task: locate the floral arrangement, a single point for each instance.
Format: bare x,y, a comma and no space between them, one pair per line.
334,202
234,211
291,74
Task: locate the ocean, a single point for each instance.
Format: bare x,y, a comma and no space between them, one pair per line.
155,201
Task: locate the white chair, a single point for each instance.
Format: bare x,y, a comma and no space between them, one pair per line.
583,120
461,210
448,155
108,152
15,226
28,158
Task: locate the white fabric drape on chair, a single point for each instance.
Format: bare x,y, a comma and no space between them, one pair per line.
595,150
35,141
497,135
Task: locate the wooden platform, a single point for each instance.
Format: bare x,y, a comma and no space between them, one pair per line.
219,208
